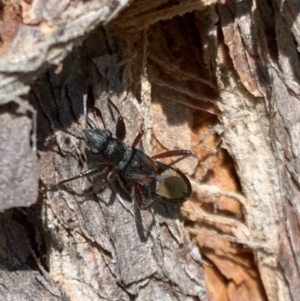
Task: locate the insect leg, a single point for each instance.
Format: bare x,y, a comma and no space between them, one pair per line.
138,139
111,177
138,197
173,153
86,173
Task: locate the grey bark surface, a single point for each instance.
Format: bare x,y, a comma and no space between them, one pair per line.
107,238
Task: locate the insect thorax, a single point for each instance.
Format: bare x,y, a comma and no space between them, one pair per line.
117,153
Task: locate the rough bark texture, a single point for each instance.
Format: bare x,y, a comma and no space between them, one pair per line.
221,79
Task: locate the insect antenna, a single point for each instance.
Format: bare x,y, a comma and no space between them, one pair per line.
88,122
120,124
94,170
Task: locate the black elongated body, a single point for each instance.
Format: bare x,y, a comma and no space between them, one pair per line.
152,179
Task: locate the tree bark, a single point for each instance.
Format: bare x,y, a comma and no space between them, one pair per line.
218,78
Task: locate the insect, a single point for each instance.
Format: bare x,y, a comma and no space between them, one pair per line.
150,179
